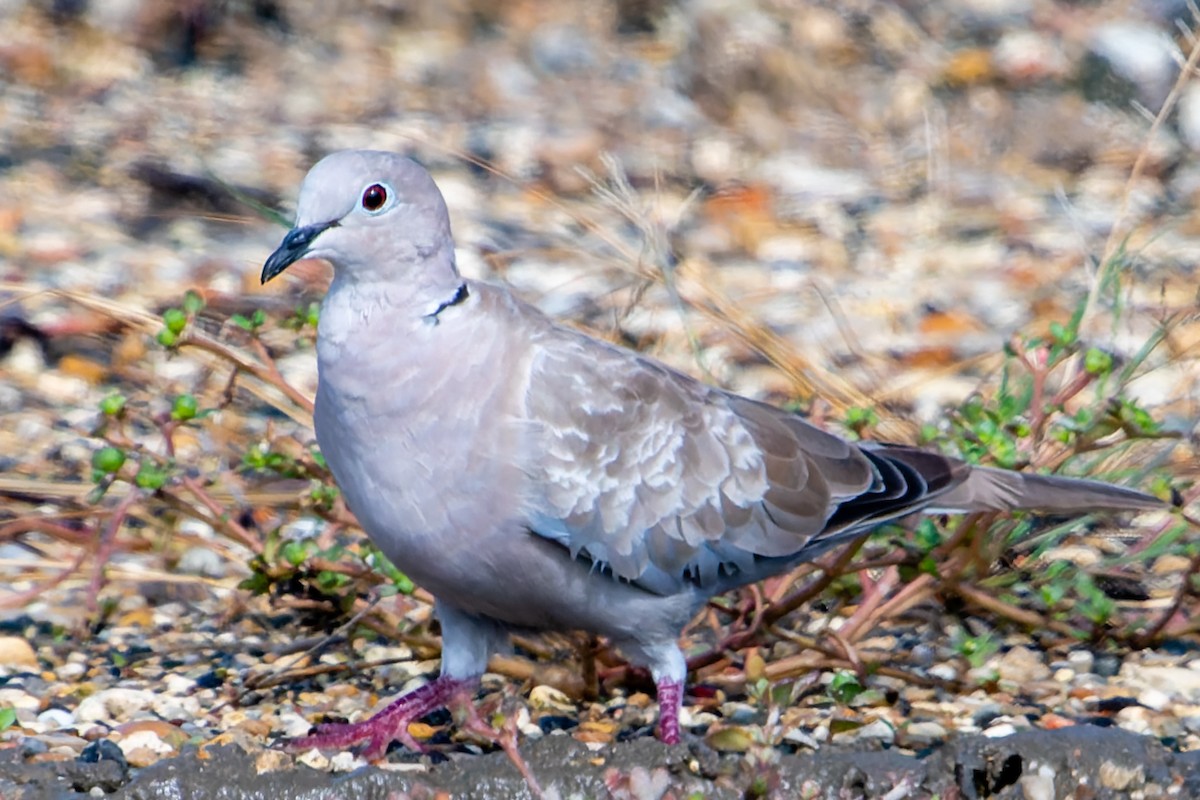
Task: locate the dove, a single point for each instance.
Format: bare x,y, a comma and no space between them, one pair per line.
534,478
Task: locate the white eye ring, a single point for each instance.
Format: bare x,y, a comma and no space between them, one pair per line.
377,198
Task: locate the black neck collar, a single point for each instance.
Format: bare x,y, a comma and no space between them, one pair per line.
459,296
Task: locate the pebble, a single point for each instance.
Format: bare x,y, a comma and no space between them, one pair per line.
547,698
117,704
202,561
55,719
71,671
1081,660
1135,719
1138,56
945,672
345,762
103,750
18,699
1000,730
1022,666
1037,782
924,733
799,738
144,740
16,652
1154,699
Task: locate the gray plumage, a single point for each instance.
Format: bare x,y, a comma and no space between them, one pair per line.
531,476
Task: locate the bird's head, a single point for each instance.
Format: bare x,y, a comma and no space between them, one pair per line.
373,215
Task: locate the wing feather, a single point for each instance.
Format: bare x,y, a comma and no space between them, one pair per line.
647,470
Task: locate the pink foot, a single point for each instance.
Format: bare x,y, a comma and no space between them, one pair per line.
670,700
388,725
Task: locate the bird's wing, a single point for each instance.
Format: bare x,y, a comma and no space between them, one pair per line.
666,481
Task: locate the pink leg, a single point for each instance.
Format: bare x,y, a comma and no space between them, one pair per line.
390,724
670,700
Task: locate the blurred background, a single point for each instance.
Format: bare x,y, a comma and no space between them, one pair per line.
878,184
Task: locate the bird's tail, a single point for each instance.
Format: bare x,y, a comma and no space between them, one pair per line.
988,489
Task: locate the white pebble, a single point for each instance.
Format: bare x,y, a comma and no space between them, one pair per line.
113,705
55,719
144,739
1154,699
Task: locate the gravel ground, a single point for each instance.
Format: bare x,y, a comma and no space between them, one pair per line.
862,202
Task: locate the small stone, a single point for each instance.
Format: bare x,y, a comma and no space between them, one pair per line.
71,671
739,713
1121,778
944,672
201,561
1038,784
1107,665
314,759
18,699
271,761
986,714
1128,60
16,652
730,738
924,733
1154,699
103,750
55,719
345,762
1081,660
547,698
875,731
116,704
799,738
144,740
178,684
139,757
1000,730
1021,666
1135,719
1178,681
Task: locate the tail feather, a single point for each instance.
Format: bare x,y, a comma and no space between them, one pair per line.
986,489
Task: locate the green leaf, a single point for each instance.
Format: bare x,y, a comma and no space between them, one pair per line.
1097,362
257,583
112,405
193,303
296,552
167,338
175,319
150,476
8,717
844,687
108,460
184,407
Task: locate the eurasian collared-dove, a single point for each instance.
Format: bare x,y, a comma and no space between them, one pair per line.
532,477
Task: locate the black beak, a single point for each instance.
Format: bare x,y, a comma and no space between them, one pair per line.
293,248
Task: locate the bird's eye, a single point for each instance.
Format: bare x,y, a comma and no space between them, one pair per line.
374,197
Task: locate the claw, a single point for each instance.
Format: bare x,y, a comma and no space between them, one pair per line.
390,724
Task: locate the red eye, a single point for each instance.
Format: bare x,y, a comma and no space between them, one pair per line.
374,196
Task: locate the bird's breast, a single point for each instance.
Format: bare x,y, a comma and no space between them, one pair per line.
418,435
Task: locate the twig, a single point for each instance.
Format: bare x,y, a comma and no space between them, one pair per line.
222,515
1184,590
108,541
